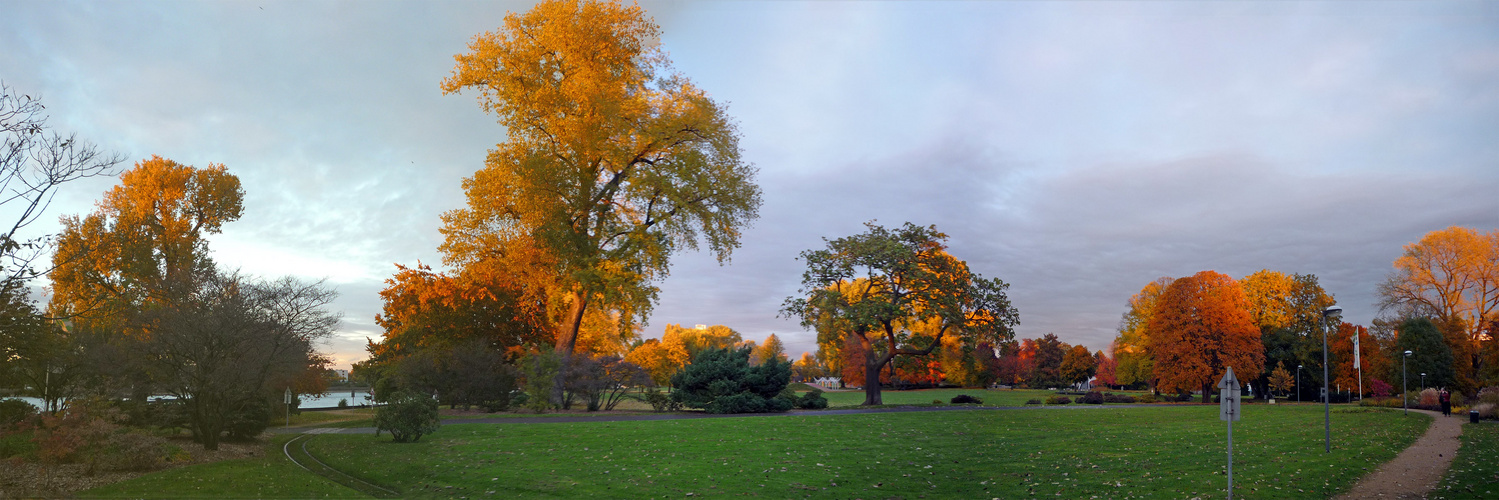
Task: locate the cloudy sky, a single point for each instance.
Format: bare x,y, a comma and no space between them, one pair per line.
1076,150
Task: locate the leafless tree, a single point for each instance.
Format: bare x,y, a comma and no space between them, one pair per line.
34,162
226,348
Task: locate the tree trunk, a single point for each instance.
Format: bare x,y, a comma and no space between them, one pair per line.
567,340
1206,390
872,381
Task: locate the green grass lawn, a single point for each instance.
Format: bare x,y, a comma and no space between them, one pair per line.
308,418
999,397
1074,452
1474,473
268,476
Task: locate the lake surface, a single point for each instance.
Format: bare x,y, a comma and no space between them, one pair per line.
329,400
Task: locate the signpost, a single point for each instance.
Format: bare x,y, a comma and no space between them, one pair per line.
1228,411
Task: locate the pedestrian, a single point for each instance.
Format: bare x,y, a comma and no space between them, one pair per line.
1446,399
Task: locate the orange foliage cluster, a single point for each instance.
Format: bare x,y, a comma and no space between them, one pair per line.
1202,326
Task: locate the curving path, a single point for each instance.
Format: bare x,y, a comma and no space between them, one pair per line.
1414,472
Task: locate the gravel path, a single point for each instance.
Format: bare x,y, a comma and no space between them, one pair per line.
1415,472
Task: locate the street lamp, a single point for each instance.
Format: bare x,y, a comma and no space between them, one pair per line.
1298,383
1404,403
1423,381
1331,313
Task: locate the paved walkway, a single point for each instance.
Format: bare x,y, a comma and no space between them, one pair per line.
1415,472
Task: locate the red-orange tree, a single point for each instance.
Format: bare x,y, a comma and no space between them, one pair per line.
873,287
1201,326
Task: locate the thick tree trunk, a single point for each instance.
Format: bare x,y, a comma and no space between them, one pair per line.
872,382
1207,388
567,340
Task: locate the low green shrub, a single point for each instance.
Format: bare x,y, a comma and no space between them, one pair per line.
1032,401
936,401
812,400
964,399
659,401
1058,400
1146,398
1091,398
722,381
343,403
1118,398
407,417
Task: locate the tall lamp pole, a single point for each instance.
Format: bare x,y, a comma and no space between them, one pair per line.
1333,313
1423,381
1298,383
1404,401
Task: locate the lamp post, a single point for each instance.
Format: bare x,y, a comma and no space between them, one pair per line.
1404,403
1423,381
1333,313
1298,383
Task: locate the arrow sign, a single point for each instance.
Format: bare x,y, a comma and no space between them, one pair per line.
1228,397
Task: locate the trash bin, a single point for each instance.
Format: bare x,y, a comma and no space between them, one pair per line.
1473,416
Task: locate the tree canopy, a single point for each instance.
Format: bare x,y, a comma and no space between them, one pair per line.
612,162
1452,276
874,288
1201,326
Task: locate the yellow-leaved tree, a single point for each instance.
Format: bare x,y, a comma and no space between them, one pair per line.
1135,362
611,163
1452,275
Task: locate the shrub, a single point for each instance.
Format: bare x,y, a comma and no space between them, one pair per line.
722,381
936,401
343,403
812,400
1429,397
1379,389
1489,395
659,401
407,417
14,411
249,419
541,370
1118,398
1091,398
80,433
603,381
133,451
1185,397
964,399
1146,398
1032,401
1058,400
1485,410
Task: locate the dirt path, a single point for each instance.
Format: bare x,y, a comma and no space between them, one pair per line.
1414,472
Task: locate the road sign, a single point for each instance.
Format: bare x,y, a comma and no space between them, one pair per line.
1228,397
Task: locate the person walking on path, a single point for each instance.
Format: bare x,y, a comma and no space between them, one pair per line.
1446,399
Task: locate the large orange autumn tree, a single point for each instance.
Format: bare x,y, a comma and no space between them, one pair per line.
1201,326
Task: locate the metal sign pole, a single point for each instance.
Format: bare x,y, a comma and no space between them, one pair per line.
1228,411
